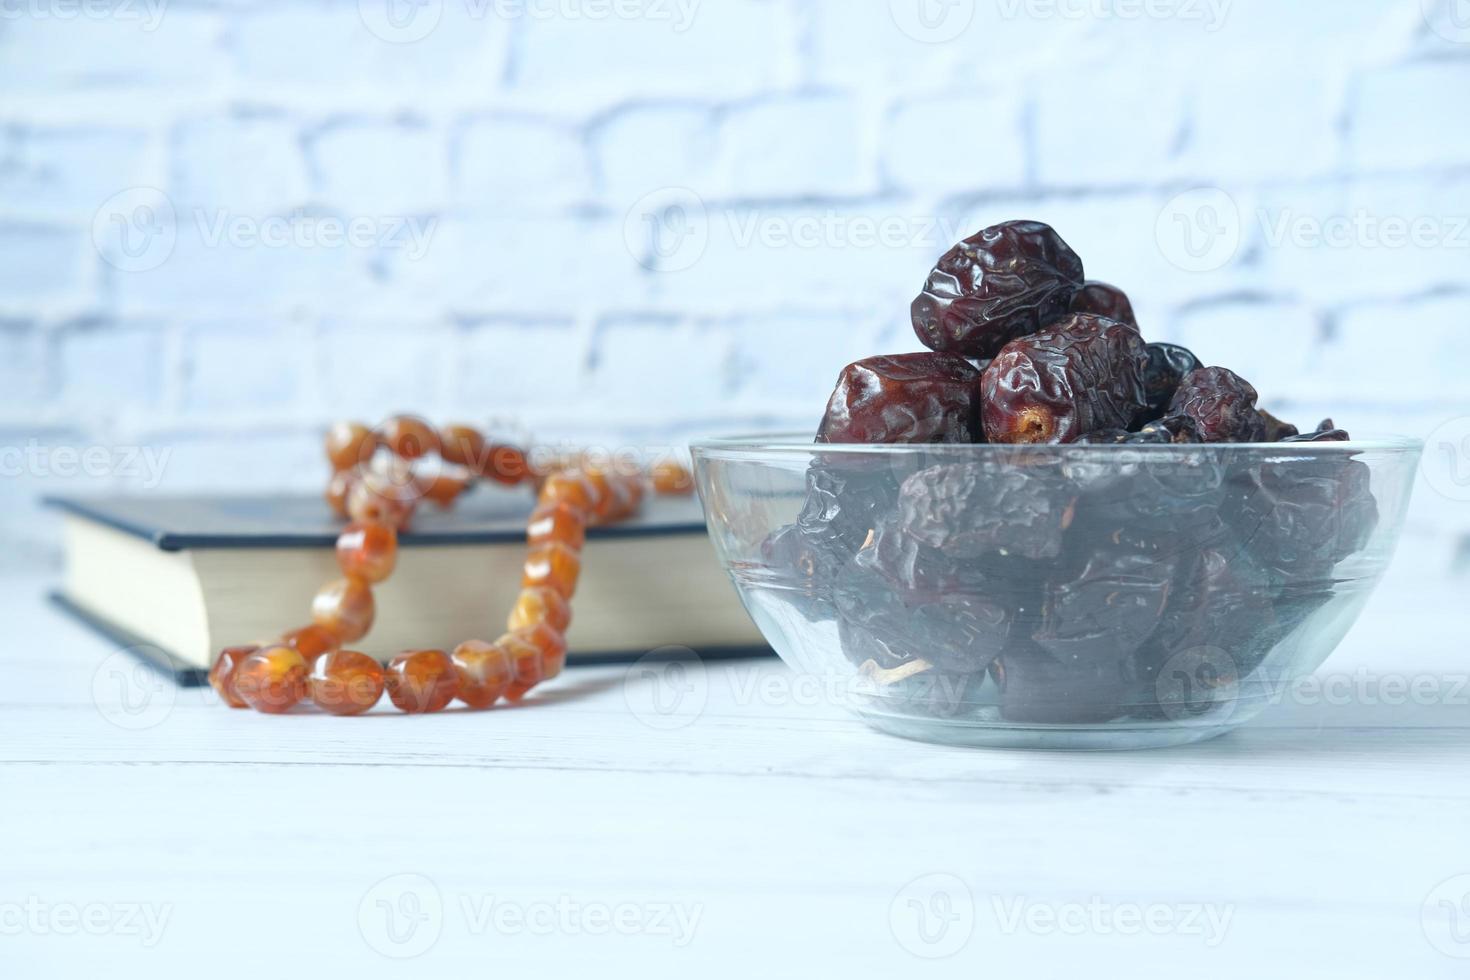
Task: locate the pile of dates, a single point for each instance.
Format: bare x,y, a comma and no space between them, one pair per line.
1055,586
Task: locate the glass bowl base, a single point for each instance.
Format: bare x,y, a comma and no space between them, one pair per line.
1096,738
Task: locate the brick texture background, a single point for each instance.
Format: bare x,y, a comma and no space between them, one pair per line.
223,224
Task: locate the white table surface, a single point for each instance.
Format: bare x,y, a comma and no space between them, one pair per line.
766,835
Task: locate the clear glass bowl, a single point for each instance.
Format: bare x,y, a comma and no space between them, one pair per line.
1055,596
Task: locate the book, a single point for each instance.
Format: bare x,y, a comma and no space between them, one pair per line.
176,579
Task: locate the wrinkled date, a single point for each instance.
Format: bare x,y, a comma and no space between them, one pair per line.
1221,603
1104,300
1221,404
1108,607
968,510
1167,366
1277,430
1078,376
1038,688
1010,279
925,397
1325,432
845,500
1300,517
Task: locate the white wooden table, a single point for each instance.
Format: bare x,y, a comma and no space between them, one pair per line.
148,832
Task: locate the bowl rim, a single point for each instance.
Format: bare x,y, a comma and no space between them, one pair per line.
798,442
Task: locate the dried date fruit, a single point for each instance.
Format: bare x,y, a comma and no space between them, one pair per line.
1325,432
1106,609
1223,602
1174,430
1010,279
1221,403
955,631
1077,376
1104,300
845,500
968,510
1038,688
1277,430
907,398
1167,366
1300,517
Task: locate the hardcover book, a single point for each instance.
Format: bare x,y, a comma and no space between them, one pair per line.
179,578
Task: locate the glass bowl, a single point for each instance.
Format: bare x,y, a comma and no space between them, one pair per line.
1054,596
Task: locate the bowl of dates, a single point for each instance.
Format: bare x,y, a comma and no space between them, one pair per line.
1045,531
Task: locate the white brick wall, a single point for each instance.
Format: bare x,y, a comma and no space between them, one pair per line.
467,213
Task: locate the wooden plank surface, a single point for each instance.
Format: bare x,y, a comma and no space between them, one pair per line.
754,830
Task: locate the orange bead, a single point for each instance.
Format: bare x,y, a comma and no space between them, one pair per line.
570,488
553,647
541,605
367,551
559,523
444,488
504,464
410,437
338,487
633,487
463,446
553,566
421,681
311,641
272,680
672,478
350,444
375,499
345,682
526,665
222,674
345,607
605,499
484,673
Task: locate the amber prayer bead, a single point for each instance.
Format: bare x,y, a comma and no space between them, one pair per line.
380,496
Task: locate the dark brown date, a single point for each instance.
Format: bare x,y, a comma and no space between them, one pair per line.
1010,279
1221,404
1104,300
970,510
1105,610
1277,430
1077,376
1327,431
1039,688
907,398
1167,366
